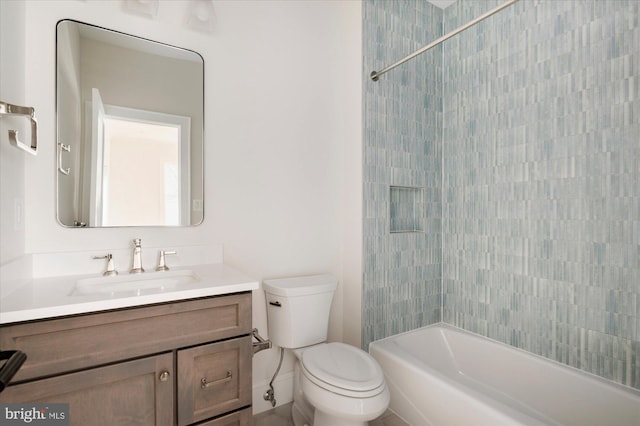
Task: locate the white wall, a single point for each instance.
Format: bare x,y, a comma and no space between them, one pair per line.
282,143
12,160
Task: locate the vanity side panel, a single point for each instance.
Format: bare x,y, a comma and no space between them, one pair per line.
68,344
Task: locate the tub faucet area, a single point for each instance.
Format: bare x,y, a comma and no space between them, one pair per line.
137,268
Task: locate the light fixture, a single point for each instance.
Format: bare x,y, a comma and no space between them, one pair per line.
201,16
143,7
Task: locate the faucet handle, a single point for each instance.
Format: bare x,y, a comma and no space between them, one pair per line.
110,268
162,265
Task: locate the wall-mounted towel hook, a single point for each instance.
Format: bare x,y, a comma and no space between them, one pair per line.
9,109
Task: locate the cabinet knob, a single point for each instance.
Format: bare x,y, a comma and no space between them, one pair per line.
164,376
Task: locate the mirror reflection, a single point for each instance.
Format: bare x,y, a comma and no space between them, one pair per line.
129,130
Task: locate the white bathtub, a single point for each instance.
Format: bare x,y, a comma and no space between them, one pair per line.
442,375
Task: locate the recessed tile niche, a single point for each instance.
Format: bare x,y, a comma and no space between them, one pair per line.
406,208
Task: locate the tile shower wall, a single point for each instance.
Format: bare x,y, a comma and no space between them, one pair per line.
541,182
402,147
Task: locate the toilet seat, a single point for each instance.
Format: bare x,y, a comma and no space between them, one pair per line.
343,369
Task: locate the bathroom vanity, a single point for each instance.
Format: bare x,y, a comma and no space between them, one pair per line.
165,347
172,362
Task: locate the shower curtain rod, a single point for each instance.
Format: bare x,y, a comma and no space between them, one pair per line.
376,74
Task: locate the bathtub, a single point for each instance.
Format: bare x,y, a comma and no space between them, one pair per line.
442,375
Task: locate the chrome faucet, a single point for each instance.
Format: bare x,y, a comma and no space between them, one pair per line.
162,263
137,261
111,270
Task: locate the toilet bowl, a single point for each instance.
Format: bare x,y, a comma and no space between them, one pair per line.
344,384
335,384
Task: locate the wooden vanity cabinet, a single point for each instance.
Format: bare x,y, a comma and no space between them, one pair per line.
174,363
213,379
126,393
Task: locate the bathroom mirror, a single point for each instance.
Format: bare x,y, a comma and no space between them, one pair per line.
130,130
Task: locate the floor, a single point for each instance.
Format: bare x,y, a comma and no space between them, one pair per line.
281,416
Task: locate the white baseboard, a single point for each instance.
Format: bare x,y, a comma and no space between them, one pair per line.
283,386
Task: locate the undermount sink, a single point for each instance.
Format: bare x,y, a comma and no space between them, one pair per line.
135,284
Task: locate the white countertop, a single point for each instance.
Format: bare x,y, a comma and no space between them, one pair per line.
56,296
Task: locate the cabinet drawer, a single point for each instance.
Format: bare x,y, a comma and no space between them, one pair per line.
239,418
133,392
213,379
61,345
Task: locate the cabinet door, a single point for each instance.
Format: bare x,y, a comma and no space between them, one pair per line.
213,379
138,392
238,418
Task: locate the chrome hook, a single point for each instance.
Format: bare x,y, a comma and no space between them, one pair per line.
9,109
67,148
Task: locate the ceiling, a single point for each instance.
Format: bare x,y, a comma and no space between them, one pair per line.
442,3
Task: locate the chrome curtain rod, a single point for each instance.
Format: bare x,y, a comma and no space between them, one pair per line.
376,74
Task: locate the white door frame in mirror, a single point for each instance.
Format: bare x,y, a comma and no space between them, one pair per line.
173,194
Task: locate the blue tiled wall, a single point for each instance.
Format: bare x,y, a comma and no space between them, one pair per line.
541,182
402,147
406,209
525,132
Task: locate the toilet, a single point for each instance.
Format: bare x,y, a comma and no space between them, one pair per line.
335,384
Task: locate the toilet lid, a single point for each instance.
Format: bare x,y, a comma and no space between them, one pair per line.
343,366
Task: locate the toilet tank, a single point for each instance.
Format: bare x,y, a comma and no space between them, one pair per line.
298,309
